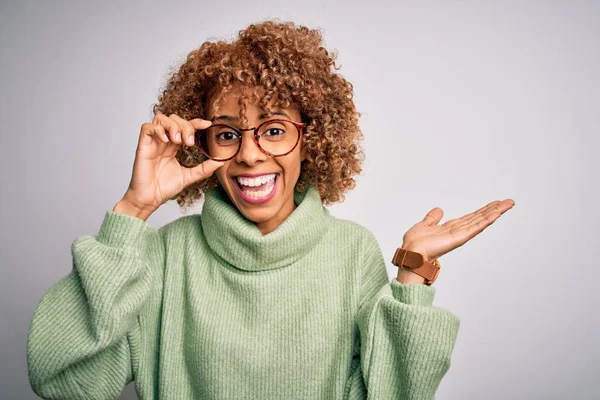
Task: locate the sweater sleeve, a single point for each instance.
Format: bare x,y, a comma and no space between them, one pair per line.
85,336
405,342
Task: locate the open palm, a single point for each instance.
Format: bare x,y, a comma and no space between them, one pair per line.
433,240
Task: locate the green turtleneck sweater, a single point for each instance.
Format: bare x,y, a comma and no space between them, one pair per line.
206,307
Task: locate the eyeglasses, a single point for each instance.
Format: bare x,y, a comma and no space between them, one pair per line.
276,137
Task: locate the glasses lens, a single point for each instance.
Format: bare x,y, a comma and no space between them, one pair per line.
219,142
222,142
278,137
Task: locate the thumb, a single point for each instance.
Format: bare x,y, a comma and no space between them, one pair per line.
204,169
433,217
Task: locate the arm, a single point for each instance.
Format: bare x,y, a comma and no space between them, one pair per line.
85,326
405,342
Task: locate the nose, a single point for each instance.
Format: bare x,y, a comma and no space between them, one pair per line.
249,153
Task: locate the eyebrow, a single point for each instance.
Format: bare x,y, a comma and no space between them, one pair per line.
262,116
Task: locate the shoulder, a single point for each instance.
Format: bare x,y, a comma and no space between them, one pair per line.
352,232
360,244
186,225
358,241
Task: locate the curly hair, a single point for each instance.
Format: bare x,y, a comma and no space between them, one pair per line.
284,64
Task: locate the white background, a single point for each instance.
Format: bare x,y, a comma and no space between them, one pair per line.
463,103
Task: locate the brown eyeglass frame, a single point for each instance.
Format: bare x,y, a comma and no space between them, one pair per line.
299,125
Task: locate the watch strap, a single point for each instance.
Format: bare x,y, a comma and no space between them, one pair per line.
416,263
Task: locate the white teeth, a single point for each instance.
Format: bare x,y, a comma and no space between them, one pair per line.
257,194
256,181
247,183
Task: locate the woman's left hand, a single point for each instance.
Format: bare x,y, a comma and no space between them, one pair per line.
433,240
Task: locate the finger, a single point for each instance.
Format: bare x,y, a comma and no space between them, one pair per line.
479,223
494,213
199,123
171,126
203,170
467,218
433,217
187,129
476,214
150,132
468,231
157,121
497,206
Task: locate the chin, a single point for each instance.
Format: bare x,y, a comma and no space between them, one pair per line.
257,216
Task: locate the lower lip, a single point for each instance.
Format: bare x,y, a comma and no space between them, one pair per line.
252,200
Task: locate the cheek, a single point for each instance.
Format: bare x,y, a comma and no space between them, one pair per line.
292,167
221,174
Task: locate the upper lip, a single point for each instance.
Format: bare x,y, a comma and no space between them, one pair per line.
254,175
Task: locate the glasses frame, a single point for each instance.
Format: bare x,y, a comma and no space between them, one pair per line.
299,125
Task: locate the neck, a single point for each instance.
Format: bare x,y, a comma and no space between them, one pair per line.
266,227
238,242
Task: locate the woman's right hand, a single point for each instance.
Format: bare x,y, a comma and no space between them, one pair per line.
157,175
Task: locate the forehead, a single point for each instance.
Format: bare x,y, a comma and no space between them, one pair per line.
228,104
229,101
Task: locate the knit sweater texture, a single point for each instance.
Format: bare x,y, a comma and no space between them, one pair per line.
206,307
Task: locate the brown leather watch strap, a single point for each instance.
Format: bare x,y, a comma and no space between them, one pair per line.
415,263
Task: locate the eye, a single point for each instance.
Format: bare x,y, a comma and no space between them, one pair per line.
274,132
226,136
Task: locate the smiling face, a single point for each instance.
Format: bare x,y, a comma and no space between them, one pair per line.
260,186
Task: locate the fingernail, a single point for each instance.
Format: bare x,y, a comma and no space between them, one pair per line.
165,137
191,139
178,136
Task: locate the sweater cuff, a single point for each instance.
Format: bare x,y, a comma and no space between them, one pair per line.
119,230
413,293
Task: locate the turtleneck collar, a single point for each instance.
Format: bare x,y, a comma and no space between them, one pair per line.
238,240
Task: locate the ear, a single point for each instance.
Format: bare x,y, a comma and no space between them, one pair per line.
303,151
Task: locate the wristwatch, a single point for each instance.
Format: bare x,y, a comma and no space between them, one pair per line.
415,263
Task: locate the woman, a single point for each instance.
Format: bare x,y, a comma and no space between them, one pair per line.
264,295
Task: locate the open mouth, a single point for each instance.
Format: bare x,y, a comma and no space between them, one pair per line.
256,189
